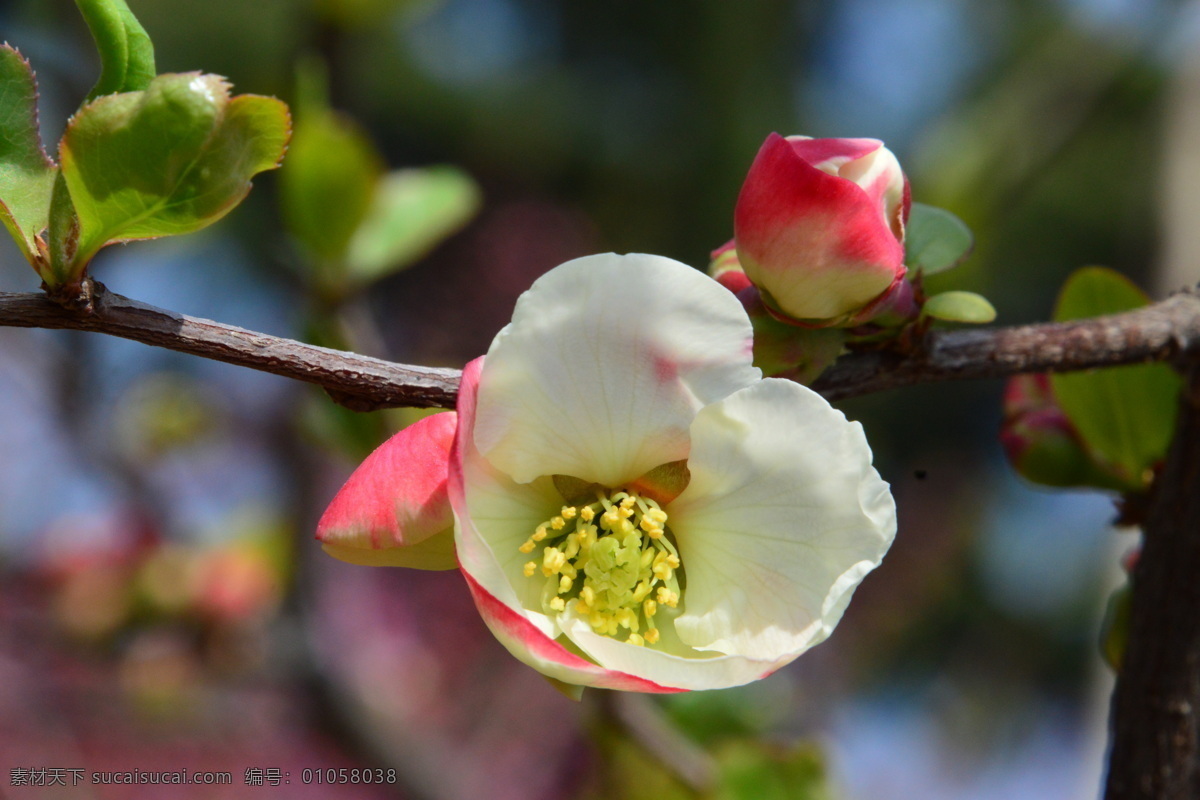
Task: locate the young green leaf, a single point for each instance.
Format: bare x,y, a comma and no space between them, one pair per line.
168,160
26,172
935,240
1125,415
126,52
958,306
413,210
328,184
63,237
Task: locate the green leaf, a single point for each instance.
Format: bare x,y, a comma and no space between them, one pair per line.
126,52
413,210
789,351
64,238
1125,415
754,770
329,182
26,172
935,240
169,160
959,306
1114,630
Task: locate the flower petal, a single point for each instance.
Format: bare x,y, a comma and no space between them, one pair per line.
494,515
669,662
604,365
434,553
782,519
533,647
396,499
820,244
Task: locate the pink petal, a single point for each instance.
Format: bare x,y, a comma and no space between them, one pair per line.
831,152
397,497
817,243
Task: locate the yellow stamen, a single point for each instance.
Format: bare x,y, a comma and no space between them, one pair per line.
617,564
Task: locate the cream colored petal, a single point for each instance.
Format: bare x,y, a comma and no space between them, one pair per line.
604,366
783,517
670,662
494,515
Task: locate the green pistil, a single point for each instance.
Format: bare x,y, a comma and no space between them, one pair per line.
613,559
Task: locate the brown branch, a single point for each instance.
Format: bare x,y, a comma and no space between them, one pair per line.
1164,331
1156,703
355,381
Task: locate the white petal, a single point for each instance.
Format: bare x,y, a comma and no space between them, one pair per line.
668,664
493,515
604,365
783,517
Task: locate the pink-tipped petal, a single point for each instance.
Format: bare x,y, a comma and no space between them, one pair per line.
821,244
532,647
395,500
828,155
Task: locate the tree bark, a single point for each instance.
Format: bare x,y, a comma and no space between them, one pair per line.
1156,704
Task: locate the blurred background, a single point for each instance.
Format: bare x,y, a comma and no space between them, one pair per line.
162,603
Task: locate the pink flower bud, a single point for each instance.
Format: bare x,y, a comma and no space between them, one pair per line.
1042,444
819,225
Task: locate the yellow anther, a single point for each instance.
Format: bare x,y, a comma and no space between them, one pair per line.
569,512
658,516
540,533
552,561
611,517
662,572
628,502
564,583
635,639
648,525
651,636
558,523
647,557
527,547
655,533
625,512
530,568
640,592
667,598
568,570
650,608
598,620
627,619
587,513
582,607
558,604
588,596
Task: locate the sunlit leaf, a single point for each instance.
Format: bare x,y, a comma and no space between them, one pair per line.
958,306
126,53
26,173
413,210
168,160
1125,415
935,240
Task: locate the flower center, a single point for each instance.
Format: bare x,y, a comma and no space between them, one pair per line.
613,559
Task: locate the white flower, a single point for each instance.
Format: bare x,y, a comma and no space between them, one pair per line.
635,508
